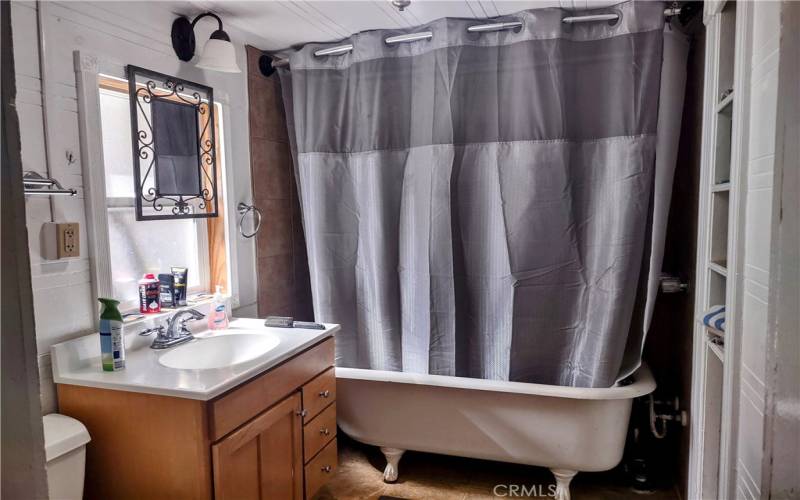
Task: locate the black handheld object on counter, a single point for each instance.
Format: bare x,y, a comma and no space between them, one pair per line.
279,321
309,325
288,322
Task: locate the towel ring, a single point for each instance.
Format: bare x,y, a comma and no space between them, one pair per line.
243,211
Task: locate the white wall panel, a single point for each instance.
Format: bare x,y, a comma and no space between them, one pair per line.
763,102
757,233
32,137
61,311
26,43
754,328
758,225
766,17
761,165
750,445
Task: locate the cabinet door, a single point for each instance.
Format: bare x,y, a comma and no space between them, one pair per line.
264,458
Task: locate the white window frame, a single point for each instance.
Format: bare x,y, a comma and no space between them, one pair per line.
87,75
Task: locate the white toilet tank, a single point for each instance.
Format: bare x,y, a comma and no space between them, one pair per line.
65,451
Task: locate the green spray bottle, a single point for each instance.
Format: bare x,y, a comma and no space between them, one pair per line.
112,343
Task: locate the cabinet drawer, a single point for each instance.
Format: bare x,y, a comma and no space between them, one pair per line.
319,431
320,469
319,393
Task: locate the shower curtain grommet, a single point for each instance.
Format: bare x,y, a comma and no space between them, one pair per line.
618,20
514,25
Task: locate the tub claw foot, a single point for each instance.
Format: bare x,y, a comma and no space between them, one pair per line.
392,461
563,478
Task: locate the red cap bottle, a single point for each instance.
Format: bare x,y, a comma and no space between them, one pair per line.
149,296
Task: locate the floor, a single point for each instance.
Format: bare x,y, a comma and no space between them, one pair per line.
434,477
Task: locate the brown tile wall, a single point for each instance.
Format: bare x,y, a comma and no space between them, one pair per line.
284,287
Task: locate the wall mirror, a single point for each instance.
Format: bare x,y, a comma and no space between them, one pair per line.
174,146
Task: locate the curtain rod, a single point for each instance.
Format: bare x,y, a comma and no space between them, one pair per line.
476,28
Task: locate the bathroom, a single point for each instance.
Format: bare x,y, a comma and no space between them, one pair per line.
400,249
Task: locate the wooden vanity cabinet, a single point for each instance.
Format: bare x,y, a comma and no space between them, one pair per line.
272,437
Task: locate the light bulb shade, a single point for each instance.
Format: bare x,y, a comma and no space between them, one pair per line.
218,55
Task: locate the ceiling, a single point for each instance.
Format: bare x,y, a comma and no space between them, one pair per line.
277,25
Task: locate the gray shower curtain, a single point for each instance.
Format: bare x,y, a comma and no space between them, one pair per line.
481,205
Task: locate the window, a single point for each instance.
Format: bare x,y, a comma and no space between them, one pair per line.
143,247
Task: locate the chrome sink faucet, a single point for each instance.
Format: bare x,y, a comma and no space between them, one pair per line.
176,331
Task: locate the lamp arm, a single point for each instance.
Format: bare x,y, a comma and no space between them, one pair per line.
205,15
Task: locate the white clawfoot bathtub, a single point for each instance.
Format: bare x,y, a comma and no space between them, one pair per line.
567,429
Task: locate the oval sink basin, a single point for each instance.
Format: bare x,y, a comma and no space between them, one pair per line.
218,352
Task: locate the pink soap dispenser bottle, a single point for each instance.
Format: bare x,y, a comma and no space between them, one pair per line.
218,316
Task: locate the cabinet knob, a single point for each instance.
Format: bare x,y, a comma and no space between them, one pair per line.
302,413
325,432
326,469
324,394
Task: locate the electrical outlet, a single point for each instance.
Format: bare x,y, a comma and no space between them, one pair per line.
67,240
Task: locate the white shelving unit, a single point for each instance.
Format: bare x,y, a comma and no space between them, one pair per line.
714,371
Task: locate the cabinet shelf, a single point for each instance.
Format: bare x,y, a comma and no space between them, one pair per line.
724,103
717,349
719,226
714,382
719,268
717,288
716,341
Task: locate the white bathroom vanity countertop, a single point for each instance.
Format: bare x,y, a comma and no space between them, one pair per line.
77,362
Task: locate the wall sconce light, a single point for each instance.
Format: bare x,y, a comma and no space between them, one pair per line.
218,53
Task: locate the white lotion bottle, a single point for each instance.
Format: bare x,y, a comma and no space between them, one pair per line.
218,316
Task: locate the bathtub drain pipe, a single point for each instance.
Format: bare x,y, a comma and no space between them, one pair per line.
673,413
659,434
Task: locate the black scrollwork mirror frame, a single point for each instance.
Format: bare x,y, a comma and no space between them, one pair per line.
145,86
